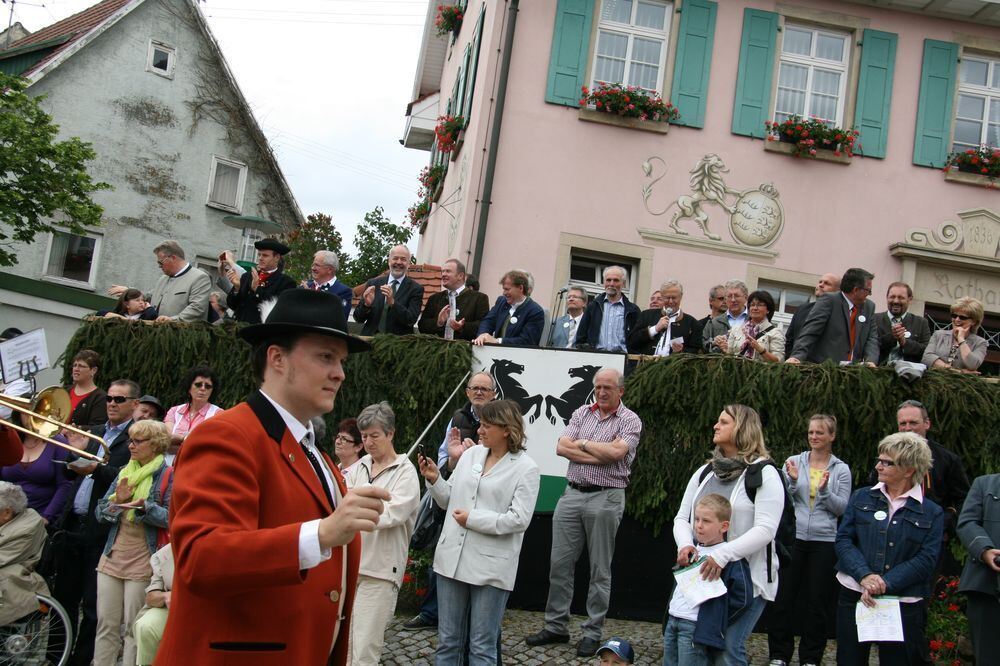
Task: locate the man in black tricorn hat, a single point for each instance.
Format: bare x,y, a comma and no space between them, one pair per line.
264,531
260,286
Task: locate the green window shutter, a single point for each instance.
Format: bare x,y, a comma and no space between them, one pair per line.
570,45
463,74
753,78
871,116
472,66
934,110
694,61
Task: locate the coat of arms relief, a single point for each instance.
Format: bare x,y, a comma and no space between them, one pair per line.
755,215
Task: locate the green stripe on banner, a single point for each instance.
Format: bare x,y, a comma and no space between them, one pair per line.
549,491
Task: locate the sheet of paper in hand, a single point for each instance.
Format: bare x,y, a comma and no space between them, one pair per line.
696,588
882,623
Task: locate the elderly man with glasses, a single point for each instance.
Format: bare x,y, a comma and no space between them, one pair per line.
84,538
479,391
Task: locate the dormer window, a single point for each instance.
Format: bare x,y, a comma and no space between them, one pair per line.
161,58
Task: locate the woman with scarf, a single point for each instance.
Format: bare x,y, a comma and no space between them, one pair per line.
739,445
136,507
758,339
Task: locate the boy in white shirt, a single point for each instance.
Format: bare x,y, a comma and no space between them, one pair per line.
695,631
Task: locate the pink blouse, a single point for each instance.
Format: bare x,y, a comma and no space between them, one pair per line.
185,421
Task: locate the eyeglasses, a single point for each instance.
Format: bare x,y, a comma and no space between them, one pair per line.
884,462
344,438
117,399
479,389
137,442
203,385
960,317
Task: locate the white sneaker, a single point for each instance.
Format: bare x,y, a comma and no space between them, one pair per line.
778,662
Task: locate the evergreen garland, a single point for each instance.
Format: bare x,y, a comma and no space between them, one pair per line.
678,398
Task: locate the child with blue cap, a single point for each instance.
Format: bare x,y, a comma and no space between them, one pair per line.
615,651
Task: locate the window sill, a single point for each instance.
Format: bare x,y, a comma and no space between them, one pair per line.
977,179
423,225
436,194
594,116
228,209
459,142
67,282
822,154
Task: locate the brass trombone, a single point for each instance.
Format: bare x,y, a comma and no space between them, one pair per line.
47,414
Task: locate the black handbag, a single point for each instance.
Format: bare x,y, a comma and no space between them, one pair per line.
430,520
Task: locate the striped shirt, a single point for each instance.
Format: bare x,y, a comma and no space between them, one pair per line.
613,327
587,423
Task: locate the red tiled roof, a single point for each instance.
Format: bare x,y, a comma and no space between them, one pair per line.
428,275
76,26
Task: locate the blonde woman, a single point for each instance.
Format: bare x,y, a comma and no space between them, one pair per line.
959,348
490,498
136,506
888,544
739,444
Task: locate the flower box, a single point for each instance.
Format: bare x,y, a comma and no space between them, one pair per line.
977,179
595,116
459,142
975,166
822,154
448,20
809,137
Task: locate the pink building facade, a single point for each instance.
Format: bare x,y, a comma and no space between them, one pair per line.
539,183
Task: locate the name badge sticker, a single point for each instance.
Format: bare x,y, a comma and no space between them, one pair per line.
879,515
513,320
862,319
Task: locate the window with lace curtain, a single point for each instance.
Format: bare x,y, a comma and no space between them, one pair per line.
632,43
812,74
226,184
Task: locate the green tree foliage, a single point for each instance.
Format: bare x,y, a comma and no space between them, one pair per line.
373,240
678,399
40,178
318,233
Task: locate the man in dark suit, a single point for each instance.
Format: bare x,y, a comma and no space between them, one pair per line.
716,305
841,327
902,336
264,532
391,303
260,286
614,307
515,319
656,329
83,538
324,278
455,312
828,283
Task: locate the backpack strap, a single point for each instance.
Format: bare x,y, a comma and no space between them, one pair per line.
165,480
705,471
752,481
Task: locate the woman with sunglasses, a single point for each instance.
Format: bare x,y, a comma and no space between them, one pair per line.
200,383
888,544
959,348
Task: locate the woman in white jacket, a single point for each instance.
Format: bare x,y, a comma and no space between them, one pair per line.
490,499
739,443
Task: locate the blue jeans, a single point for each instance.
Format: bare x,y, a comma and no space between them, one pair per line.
679,648
738,632
470,613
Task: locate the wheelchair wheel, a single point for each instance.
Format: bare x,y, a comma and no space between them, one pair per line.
41,638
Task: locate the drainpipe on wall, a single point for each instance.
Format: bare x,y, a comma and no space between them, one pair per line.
491,160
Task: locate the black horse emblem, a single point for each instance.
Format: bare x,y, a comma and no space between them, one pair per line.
509,388
579,393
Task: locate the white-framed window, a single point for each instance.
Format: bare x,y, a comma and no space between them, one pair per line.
71,259
247,251
787,299
588,272
977,110
226,183
161,59
812,74
632,38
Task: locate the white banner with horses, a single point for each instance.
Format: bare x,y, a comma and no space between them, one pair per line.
549,384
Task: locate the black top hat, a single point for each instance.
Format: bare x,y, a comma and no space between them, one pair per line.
272,244
305,311
151,400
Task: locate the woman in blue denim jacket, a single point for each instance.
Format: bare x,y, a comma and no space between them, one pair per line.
888,544
819,484
136,506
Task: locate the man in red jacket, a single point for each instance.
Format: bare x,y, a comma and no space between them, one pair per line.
265,534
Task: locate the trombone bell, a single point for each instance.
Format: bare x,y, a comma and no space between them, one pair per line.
52,402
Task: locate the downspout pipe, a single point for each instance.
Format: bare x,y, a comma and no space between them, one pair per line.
491,159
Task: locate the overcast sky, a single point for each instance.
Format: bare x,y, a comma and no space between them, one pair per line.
328,80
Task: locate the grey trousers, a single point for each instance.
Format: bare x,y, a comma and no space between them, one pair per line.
591,520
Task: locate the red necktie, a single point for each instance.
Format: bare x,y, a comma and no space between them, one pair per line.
854,331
